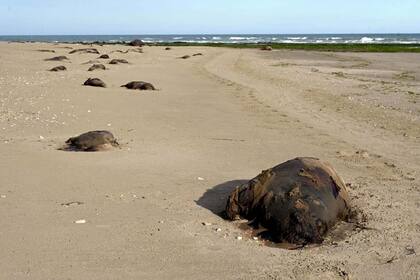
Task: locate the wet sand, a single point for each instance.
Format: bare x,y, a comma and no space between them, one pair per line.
215,121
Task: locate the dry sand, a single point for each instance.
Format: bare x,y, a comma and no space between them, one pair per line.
216,120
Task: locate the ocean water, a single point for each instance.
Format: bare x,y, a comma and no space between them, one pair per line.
230,38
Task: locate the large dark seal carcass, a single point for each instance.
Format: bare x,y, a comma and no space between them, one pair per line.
58,68
139,85
57,58
97,67
136,43
94,82
297,201
118,61
92,141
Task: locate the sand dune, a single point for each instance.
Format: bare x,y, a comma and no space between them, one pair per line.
215,121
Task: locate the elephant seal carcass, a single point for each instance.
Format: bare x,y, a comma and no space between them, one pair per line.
43,50
94,82
57,58
86,50
58,68
97,67
118,61
139,85
297,201
92,141
136,43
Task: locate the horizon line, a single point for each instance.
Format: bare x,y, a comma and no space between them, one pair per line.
189,34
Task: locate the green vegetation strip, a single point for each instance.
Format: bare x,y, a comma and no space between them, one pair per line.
415,48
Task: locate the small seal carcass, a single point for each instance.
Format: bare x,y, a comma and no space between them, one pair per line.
94,82
58,68
87,50
297,201
118,61
104,56
51,51
97,67
92,141
139,85
57,58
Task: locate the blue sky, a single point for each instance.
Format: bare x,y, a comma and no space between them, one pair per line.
91,17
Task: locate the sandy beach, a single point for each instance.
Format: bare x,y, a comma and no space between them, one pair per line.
151,206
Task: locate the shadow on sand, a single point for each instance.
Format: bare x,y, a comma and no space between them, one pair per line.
215,199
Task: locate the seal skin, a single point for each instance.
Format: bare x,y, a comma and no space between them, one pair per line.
117,61
297,201
57,58
92,141
104,56
94,82
87,50
58,68
197,54
97,67
139,85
